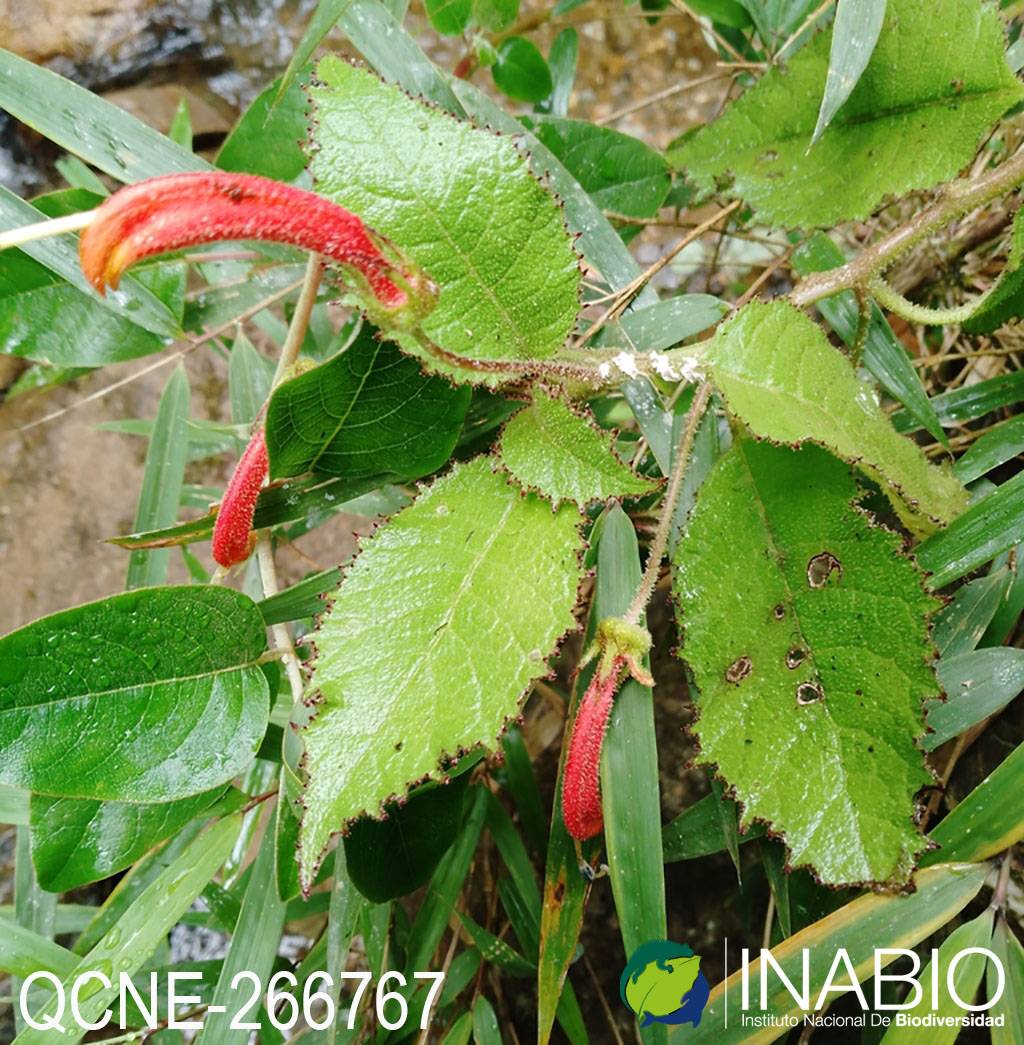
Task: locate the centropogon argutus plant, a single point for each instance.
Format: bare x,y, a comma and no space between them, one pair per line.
805,623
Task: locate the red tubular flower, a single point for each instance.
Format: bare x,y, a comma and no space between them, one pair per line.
184,210
581,784
233,538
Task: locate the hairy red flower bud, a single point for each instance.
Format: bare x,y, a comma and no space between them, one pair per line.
581,784
184,210
233,538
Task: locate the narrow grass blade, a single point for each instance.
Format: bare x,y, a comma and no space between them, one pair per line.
140,930
629,765
253,945
869,922
162,479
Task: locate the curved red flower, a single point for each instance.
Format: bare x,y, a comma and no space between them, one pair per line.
581,783
185,210
233,539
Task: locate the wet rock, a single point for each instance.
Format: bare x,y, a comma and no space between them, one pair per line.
74,30
156,105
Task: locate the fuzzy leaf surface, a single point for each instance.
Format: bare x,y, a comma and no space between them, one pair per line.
144,697
807,632
550,448
426,651
368,411
461,201
936,82
781,376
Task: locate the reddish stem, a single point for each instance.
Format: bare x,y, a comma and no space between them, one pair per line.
581,785
185,210
233,539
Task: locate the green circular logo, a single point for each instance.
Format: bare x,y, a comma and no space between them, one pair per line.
663,984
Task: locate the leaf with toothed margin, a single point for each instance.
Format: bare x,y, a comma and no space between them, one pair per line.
807,630
550,448
462,203
935,84
779,374
427,650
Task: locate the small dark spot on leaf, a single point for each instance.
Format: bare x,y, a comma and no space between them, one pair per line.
769,156
739,669
559,892
795,657
809,693
821,568
398,746
871,749
779,611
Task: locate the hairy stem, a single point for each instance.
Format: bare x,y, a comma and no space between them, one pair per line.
668,507
300,319
895,302
280,633
957,199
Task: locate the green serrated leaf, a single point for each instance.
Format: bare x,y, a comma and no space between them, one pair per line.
143,697
936,82
780,375
884,354
369,411
462,202
812,684
621,173
76,841
425,651
550,448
